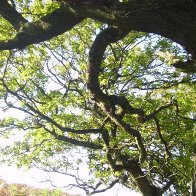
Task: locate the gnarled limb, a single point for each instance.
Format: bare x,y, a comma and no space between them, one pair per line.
74,141
9,13
104,101
172,19
49,26
175,20
188,66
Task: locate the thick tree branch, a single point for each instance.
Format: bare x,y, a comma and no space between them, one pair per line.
172,19
142,182
107,103
188,66
125,105
10,14
96,53
49,26
98,48
110,152
74,141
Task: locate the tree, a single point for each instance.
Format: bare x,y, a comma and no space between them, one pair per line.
111,88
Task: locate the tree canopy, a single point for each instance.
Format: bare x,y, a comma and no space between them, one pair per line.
104,83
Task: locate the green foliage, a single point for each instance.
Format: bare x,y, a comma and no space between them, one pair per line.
47,84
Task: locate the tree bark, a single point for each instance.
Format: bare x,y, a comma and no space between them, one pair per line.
175,20
172,19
